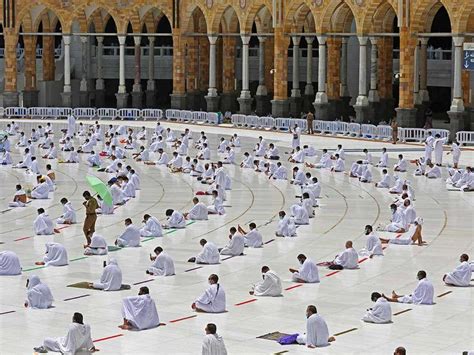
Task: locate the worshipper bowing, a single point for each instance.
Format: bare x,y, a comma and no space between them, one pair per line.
38,294
381,312
163,264
9,263
56,255
213,344
98,246
175,219
307,272
270,286
213,300
317,332
423,293
111,278
139,312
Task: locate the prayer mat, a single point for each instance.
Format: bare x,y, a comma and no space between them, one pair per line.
85,284
275,336
113,248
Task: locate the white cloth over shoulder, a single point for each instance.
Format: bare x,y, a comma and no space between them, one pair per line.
9,263
423,294
152,228
208,255
348,259
130,237
140,311
38,295
78,337
98,246
380,313
198,212
212,300
317,332
270,286
235,246
111,279
176,220
213,344
163,265
43,225
56,255
308,272
461,276
253,239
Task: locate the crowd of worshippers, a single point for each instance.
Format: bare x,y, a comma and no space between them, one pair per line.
139,312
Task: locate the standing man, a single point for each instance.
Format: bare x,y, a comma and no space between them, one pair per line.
309,122
91,206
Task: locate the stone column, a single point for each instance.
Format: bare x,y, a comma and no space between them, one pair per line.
295,99
280,107
456,112
346,109
122,95
333,75
418,101
30,94
83,90
10,94
362,103
261,97
245,100
385,49
67,94
374,97
137,93
99,83
212,99
192,68
425,97
321,100
178,97
229,96
309,89
203,71
150,95
48,58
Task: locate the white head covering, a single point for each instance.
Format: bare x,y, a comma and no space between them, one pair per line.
419,220
33,281
98,241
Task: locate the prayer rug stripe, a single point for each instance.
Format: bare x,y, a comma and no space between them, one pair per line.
34,268
333,273
107,338
7,312
194,268
269,241
245,302
142,282
345,332
281,352
292,287
22,238
184,318
229,257
444,294
79,258
362,260
401,312
75,298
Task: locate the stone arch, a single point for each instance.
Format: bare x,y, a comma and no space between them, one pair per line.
378,17
338,17
224,11
464,19
423,13
298,17
254,12
196,19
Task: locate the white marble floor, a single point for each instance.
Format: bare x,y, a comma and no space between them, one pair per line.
346,207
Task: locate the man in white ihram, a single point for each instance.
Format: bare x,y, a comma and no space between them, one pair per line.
423,293
111,279
381,312
130,237
461,276
139,312
270,286
236,245
213,344
348,259
38,295
213,299
198,212
162,265
317,332
308,271
208,255
151,228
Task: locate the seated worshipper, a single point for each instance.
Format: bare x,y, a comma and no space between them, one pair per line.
208,255
9,263
373,245
300,215
176,163
270,286
461,276
420,167
196,169
6,158
229,156
366,175
56,255
104,208
222,145
86,147
398,187
368,157
43,225
38,294
434,172
411,237
272,152
111,279
69,214
139,312
398,222
98,246
317,332
340,152
253,238
33,168
204,152
259,150
324,161
127,187
247,163
401,165
19,199
308,271
235,141
297,156
52,152
409,190
383,162
213,299
286,226
130,237
187,165
236,245
162,265
67,145
299,177
348,259
40,191
151,228
213,344
118,197
309,151
143,155
72,158
355,169
307,203
381,312
338,165
198,212
217,206
78,337
93,160
175,219
280,173
423,293
409,211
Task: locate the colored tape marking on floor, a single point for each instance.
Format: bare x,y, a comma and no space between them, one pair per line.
22,238
184,318
362,260
281,352
194,268
401,312
245,302
75,298
79,258
107,338
142,282
34,268
333,273
444,294
345,332
229,257
269,241
292,287
7,312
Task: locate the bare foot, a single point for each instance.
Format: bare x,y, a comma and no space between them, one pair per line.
125,327
394,295
331,339
39,263
56,230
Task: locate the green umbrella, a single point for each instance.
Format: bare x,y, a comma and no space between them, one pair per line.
101,189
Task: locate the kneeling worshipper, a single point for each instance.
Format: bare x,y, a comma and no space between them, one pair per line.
175,219
9,263
286,226
413,236
236,244
77,338
317,332
56,255
423,293
381,312
19,198
40,191
213,299
139,312
253,238
151,228
300,214
208,255
213,344
461,276
98,246
162,265
43,225
348,259
198,212
130,237
69,215
111,279
373,245
308,271
434,172
270,286
38,294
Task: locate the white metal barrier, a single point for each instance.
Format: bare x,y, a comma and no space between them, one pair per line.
368,131
283,124
151,114
237,120
185,116
384,132
251,121
107,113
131,114
199,116
2,112
354,129
412,134
342,128
267,123
212,117
465,137
317,126
49,112
16,112
329,127
87,113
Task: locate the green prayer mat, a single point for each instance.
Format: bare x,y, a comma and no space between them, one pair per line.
85,284
275,336
113,248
